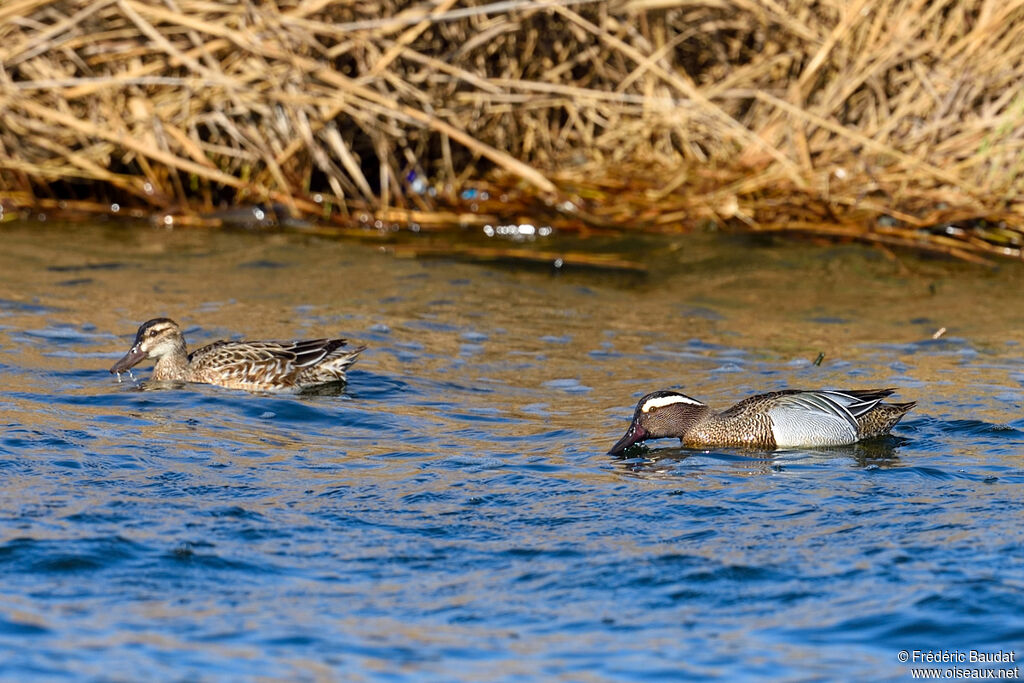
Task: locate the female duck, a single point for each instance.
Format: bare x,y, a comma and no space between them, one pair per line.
781,419
285,367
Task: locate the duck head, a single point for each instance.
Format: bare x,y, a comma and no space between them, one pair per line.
155,339
661,415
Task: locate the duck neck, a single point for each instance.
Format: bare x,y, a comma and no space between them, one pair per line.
173,366
677,421
691,418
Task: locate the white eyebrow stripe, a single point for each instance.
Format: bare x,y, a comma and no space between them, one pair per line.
663,401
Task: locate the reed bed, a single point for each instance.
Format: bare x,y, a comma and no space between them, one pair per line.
896,122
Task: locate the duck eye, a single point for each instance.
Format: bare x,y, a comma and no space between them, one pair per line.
151,333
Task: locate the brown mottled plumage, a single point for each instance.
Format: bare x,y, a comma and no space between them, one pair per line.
251,365
791,418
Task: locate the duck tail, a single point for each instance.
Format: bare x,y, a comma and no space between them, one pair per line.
883,418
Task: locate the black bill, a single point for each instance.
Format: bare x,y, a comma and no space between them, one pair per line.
634,435
130,360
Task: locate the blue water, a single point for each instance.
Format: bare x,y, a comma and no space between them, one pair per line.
453,516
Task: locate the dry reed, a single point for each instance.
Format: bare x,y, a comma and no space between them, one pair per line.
898,122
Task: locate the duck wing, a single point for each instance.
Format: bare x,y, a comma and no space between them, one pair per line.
821,418
269,363
301,354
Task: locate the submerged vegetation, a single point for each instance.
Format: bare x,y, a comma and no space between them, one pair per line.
896,122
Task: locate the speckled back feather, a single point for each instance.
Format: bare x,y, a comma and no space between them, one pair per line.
273,366
797,416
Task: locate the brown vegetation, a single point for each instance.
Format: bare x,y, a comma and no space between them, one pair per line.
896,122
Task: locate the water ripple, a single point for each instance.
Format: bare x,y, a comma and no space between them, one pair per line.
452,515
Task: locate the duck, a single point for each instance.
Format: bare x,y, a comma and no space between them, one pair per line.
261,366
791,418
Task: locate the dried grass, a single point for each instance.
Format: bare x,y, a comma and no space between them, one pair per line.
859,120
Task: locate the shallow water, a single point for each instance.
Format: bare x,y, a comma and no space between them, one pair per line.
453,515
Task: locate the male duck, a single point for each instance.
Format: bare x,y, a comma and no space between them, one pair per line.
780,419
281,367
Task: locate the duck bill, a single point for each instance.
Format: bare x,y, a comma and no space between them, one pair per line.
634,435
130,360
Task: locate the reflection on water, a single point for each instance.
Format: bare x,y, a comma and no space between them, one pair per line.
452,514
654,459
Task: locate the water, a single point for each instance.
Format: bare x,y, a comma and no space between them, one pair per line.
453,515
